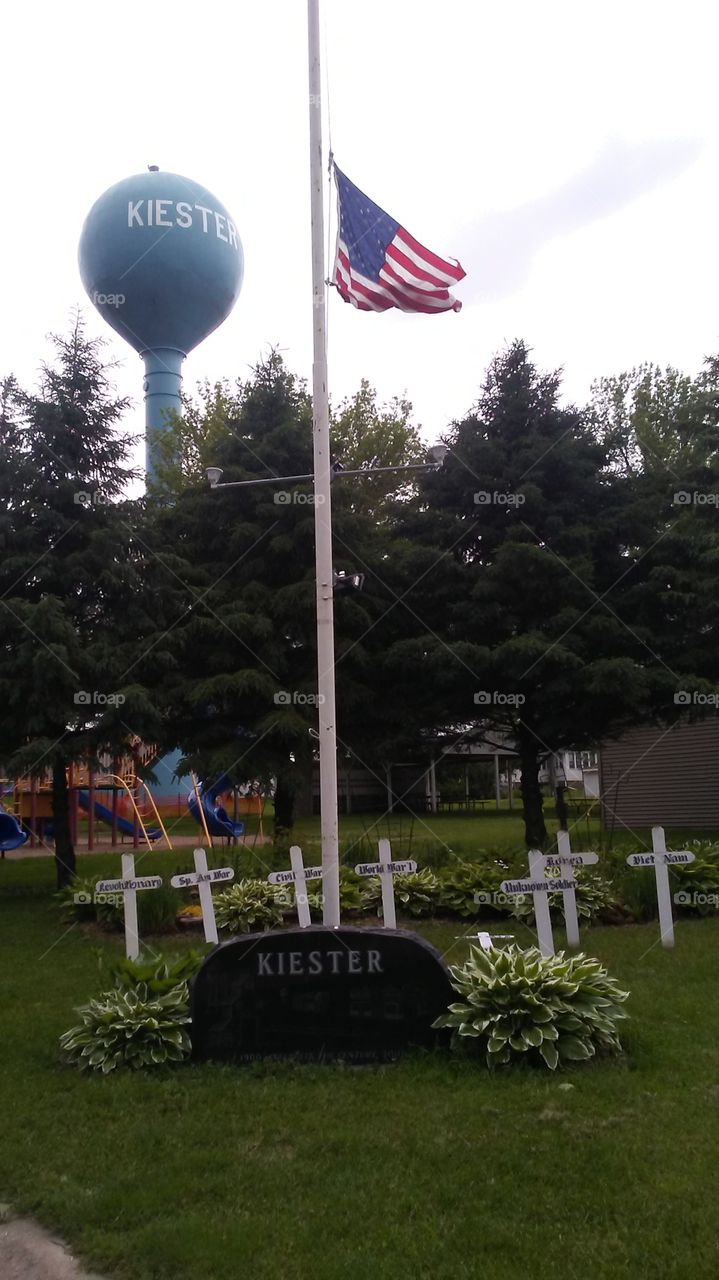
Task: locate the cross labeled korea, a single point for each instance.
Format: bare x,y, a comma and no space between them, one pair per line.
661,859
129,886
204,881
298,876
564,858
386,869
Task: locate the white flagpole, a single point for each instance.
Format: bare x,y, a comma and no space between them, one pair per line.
323,501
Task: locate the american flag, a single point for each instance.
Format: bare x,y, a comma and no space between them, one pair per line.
380,265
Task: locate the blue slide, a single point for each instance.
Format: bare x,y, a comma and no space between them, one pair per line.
219,823
105,815
11,832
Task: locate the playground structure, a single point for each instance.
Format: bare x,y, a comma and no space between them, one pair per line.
131,813
114,796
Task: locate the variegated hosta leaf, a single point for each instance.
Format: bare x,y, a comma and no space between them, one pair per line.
523,1006
130,1028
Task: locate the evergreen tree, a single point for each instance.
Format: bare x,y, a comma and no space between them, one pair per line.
71,597
538,630
242,561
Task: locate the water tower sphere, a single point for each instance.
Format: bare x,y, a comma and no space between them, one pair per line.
161,260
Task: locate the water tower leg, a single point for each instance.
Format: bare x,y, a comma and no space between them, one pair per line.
163,380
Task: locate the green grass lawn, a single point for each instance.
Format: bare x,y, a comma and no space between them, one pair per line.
427,1168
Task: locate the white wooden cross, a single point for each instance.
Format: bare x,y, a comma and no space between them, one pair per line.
128,887
661,860
564,858
539,887
298,876
204,880
386,869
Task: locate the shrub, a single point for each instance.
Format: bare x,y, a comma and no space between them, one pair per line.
695,887
79,902
134,1029
158,975
522,1006
350,895
417,893
156,909
460,885
250,905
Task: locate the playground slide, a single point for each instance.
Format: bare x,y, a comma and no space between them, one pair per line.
11,833
219,823
105,815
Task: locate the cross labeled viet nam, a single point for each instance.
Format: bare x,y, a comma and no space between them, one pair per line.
386,869
565,859
298,876
204,880
540,888
128,886
661,859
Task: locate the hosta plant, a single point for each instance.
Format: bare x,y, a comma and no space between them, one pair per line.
469,889
158,975
416,893
351,901
250,906
695,886
521,1006
134,1029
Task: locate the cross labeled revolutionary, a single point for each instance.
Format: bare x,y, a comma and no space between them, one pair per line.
298,876
129,886
204,880
661,860
386,869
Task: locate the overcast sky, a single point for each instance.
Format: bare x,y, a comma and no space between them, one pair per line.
566,153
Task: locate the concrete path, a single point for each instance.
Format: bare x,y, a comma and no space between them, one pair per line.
27,1252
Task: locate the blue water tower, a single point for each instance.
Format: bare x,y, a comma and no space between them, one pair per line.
161,260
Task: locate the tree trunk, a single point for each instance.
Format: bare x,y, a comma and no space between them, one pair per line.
535,832
64,848
284,801
560,808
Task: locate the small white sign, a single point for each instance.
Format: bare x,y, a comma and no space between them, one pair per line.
188,879
291,877
128,886
536,886
570,859
406,868
660,859
656,859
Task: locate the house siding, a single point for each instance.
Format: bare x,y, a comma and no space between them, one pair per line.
658,776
